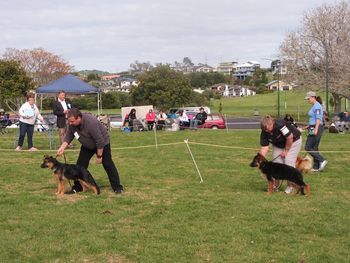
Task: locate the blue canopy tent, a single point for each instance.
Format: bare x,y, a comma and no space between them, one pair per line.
71,85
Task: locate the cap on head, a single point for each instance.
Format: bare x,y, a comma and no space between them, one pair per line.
310,94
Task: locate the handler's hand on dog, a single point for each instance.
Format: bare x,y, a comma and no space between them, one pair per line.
60,151
284,154
98,160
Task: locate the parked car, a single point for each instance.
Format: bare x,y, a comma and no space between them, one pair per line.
116,120
214,121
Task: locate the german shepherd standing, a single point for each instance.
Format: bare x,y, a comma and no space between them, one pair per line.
278,171
69,172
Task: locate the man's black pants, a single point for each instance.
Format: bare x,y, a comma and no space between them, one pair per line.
84,158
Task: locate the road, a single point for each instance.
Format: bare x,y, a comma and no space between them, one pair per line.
243,123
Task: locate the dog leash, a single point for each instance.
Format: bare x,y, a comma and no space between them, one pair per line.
275,158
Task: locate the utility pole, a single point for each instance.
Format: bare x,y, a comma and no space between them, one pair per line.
327,77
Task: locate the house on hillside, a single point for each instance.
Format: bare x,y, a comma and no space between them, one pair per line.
273,85
109,77
245,70
227,90
238,91
204,68
226,68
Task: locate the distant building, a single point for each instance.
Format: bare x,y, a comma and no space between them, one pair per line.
233,91
117,84
109,77
245,70
204,68
226,68
273,85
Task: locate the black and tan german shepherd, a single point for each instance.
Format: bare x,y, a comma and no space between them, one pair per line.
74,172
278,171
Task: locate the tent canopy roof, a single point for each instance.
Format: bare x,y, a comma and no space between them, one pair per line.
68,83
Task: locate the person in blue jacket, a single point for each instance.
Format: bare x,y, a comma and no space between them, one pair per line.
315,130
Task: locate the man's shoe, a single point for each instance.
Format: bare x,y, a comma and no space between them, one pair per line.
314,170
118,191
18,148
323,165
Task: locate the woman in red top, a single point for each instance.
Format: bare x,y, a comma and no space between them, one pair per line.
150,118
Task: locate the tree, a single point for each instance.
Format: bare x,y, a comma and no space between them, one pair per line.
14,84
319,51
139,67
163,88
41,65
92,77
205,80
187,62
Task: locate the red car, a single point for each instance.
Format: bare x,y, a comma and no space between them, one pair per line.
214,121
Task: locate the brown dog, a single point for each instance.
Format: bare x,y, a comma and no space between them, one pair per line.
303,164
64,172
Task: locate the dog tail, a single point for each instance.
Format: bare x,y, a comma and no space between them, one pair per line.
91,181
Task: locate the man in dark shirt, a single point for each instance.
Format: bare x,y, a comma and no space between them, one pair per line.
94,139
61,107
285,139
200,119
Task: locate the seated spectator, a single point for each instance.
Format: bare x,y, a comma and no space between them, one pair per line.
161,120
183,120
129,119
199,119
150,119
342,121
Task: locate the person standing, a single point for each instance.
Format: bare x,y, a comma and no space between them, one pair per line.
94,139
286,143
28,113
61,106
129,119
150,118
315,130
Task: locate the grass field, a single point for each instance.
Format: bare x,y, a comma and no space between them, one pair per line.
291,102
165,214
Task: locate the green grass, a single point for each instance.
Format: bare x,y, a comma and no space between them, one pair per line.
165,214
291,102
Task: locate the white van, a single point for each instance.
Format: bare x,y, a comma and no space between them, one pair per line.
194,109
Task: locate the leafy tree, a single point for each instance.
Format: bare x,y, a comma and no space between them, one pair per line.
41,65
187,62
92,76
14,84
163,88
139,67
205,80
320,50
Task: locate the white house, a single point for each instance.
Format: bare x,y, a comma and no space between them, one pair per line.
245,70
273,85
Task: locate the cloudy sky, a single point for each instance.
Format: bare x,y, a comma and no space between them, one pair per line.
111,34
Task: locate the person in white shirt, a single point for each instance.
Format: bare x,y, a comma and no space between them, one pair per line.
28,113
183,120
61,106
161,120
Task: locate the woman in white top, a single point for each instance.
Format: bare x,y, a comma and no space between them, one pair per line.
28,113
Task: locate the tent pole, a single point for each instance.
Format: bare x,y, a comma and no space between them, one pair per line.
98,103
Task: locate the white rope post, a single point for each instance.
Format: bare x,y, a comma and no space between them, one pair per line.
194,161
155,136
